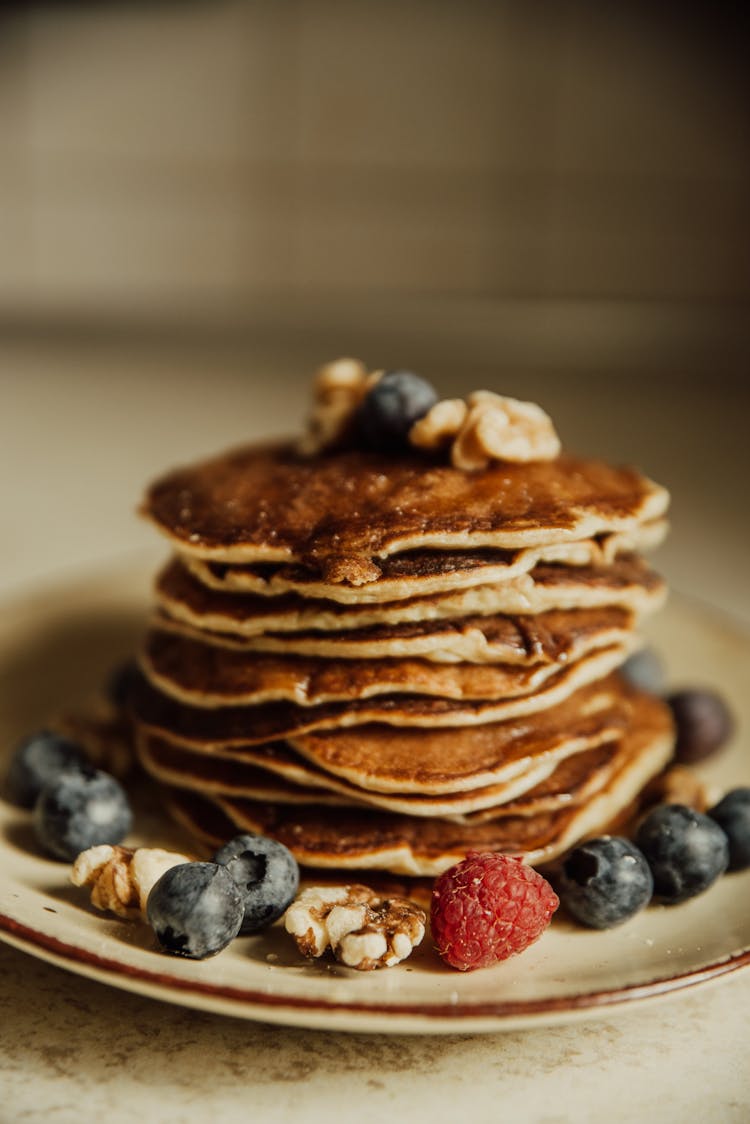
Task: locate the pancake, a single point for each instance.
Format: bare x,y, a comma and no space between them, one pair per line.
340,513
626,583
420,572
379,758
543,788
253,725
225,776
574,780
234,774
161,754
362,839
200,674
558,635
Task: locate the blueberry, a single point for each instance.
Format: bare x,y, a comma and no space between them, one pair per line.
267,875
645,670
38,760
686,851
605,881
81,808
389,411
732,814
195,909
704,724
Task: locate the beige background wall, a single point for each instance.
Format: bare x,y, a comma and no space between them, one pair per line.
308,161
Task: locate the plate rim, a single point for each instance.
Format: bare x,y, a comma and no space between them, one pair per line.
249,1001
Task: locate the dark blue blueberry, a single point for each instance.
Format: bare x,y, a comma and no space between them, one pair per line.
81,808
605,881
195,909
645,670
390,409
38,760
732,814
704,724
686,851
267,875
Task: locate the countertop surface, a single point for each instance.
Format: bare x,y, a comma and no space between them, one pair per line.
81,431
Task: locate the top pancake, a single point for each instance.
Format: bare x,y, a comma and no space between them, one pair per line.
417,573
340,512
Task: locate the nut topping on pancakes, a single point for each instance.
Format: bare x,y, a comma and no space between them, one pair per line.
485,427
490,427
339,388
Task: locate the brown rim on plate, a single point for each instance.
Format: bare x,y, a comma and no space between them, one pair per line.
61,951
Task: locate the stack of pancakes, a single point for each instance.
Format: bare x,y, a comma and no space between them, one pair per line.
386,662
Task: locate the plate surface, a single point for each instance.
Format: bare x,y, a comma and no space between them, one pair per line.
59,645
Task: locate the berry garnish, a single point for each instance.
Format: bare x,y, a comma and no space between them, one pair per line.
81,808
395,403
732,814
645,670
38,761
487,908
704,724
605,881
686,851
266,874
195,910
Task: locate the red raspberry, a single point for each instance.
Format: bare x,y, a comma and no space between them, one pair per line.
488,907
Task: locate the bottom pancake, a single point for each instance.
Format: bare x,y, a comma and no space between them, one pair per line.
363,839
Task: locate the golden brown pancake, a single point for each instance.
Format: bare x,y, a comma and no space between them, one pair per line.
575,779
224,776
342,512
364,839
561,636
248,725
236,774
200,674
420,572
379,758
627,583
542,789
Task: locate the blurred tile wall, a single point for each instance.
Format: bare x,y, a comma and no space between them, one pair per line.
197,158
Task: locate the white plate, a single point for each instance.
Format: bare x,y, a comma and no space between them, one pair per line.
58,645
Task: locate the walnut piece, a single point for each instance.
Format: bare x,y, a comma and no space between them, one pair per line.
363,930
339,388
487,427
121,878
440,424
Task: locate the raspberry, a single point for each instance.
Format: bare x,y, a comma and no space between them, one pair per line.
488,907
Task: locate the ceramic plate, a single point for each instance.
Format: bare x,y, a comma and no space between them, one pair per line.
59,645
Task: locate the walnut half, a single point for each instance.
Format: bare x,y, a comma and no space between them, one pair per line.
487,427
121,878
339,388
363,930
